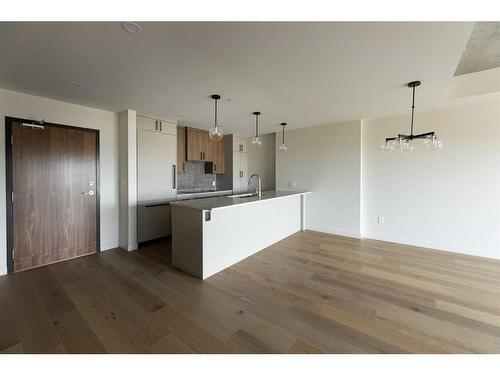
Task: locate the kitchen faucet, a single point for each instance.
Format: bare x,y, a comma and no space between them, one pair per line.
259,188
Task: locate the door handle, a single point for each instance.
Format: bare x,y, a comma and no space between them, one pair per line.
174,177
201,155
90,192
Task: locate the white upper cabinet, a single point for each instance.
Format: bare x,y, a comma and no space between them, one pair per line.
240,144
154,125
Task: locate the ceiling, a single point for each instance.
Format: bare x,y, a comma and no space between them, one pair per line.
483,49
305,74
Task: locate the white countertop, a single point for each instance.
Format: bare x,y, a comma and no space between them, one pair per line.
184,196
202,194
224,201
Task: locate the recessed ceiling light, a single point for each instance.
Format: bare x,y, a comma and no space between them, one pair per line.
131,27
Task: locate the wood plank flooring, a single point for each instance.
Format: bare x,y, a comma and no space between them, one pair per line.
310,293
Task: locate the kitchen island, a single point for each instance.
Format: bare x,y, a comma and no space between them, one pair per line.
211,234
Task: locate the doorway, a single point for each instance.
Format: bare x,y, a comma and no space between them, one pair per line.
52,193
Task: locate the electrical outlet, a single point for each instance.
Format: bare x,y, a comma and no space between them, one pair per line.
291,184
213,183
380,220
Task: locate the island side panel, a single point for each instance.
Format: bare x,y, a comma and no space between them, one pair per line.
236,232
187,240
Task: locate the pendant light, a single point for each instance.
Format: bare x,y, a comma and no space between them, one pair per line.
216,133
256,141
404,142
283,147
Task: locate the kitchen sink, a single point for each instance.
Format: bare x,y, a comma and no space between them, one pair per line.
246,195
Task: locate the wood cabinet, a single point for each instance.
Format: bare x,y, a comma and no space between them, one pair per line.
218,156
201,148
181,149
198,145
154,125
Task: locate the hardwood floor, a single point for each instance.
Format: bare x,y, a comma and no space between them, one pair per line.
310,293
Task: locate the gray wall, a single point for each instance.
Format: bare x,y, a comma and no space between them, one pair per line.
262,160
325,160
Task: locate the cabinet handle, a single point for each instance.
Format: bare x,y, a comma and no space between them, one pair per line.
183,166
156,125
174,177
160,126
201,155
215,167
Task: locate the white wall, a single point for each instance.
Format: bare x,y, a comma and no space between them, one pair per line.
15,104
325,160
447,200
261,160
128,179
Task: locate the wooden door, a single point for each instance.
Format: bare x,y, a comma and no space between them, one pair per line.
218,157
207,146
194,144
55,200
181,149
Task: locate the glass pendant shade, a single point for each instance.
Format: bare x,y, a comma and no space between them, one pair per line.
406,146
434,144
283,147
256,141
388,146
216,133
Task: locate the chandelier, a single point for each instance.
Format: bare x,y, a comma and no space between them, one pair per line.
404,142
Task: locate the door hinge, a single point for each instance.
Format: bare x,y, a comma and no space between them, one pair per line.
12,196
12,139
13,253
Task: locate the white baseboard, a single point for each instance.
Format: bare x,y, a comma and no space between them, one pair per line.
336,232
433,245
109,246
3,270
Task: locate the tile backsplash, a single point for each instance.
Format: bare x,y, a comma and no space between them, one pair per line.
195,179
